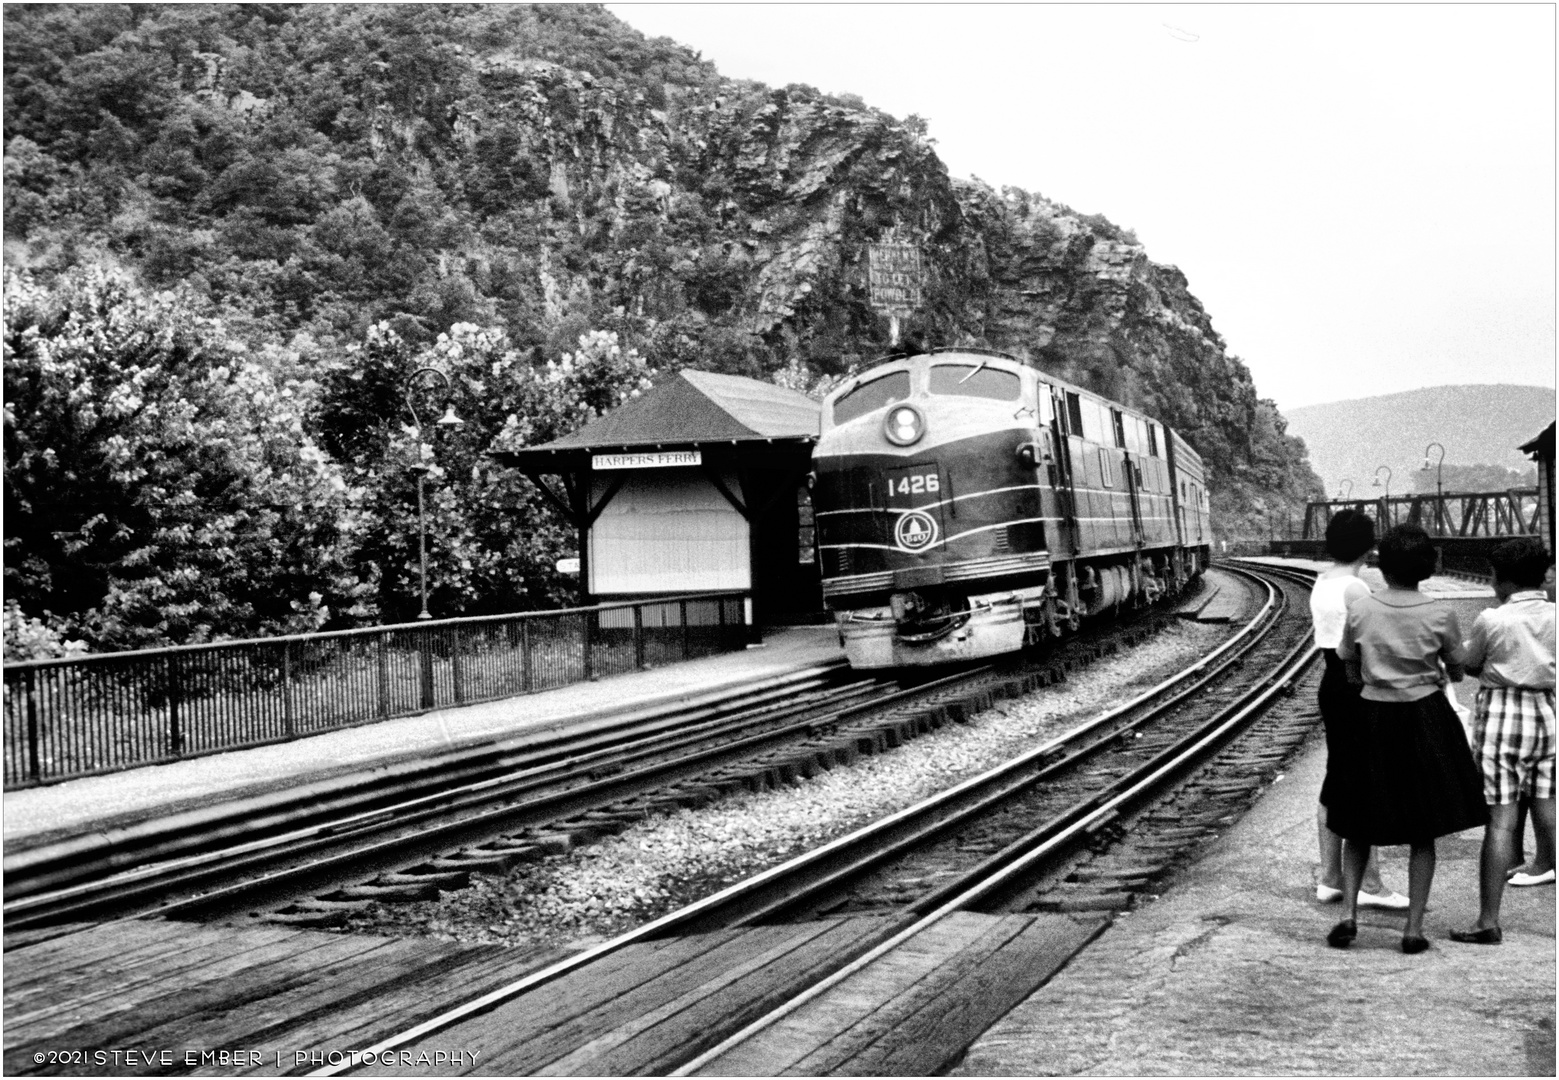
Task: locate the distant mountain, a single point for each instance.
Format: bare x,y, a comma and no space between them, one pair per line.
1477,425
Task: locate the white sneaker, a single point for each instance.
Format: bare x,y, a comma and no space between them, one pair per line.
1328,895
1391,901
1521,881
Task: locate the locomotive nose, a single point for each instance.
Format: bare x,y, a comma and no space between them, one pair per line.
904,425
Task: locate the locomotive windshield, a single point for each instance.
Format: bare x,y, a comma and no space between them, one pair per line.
975,380
871,396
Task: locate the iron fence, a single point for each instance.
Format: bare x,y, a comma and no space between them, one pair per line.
100,713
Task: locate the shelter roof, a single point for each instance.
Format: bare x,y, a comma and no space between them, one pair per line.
1542,445
691,409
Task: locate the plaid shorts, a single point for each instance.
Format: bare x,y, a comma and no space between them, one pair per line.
1513,740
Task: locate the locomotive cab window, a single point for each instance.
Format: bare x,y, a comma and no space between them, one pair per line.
975,380
871,396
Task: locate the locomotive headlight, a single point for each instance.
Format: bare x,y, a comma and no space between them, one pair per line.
904,425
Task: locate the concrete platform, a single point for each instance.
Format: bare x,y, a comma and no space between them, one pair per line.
82,804
1229,973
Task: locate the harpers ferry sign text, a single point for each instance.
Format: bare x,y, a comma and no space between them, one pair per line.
658,459
895,277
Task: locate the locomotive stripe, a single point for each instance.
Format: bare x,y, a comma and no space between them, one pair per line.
946,539
972,569
931,505
1115,496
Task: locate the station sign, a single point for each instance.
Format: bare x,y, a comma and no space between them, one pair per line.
658,459
895,277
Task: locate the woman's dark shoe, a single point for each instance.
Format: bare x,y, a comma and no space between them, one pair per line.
1342,934
1489,935
1411,945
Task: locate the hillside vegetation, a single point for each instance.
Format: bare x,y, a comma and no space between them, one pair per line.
1480,428
541,202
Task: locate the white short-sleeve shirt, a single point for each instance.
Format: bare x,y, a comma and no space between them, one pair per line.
1329,601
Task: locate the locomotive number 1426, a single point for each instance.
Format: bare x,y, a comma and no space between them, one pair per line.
911,487
915,485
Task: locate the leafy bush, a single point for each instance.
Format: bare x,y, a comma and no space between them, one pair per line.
35,639
159,483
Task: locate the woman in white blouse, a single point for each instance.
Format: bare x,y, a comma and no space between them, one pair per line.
1349,537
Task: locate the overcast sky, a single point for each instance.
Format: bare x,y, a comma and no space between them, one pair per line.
1362,197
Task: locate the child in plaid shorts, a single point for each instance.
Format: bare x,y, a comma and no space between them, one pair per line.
1512,651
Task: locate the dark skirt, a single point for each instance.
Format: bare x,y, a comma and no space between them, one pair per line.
1407,776
1339,703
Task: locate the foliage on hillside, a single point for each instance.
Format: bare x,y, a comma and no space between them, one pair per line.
348,193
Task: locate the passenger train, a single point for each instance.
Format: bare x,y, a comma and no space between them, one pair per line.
968,504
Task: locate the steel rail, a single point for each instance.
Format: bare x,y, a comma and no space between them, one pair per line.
493,761
734,895
509,789
967,800
1143,783
559,761
254,857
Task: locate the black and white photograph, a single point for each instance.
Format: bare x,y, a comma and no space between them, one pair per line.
758,539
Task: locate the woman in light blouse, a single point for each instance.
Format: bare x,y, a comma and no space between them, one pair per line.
1409,775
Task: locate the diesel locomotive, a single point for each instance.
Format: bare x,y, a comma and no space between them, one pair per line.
968,504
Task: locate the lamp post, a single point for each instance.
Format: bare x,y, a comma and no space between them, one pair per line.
1439,495
1344,492
421,468
1385,503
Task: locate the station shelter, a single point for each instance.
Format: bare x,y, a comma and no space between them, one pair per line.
1541,450
697,485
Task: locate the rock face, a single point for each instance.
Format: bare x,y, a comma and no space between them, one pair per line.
324,167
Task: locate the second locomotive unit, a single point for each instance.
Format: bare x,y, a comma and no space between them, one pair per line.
968,504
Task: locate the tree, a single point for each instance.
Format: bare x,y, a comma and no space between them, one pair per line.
493,540
159,484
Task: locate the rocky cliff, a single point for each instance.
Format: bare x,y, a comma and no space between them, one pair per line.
313,170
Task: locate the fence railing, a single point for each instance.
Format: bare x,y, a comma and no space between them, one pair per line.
110,711
1513,512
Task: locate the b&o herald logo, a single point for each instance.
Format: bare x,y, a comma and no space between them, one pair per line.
915,531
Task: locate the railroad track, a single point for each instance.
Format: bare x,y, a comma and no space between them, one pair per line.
1165,768
310,857
118,871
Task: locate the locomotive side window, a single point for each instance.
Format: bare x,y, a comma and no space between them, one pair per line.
1043,395
975,380
1153,439
871,396
1138,436
1074,414
1089,425
1120,428
1100,426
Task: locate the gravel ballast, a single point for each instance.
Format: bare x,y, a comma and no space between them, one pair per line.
606,888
